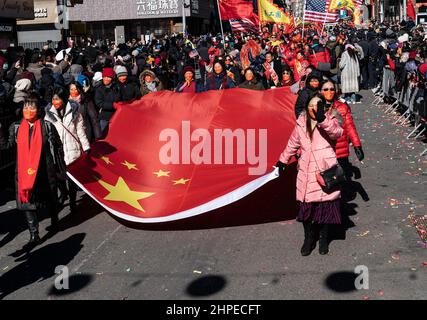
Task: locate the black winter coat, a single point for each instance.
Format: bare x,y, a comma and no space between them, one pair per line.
52,169
129,91
104,100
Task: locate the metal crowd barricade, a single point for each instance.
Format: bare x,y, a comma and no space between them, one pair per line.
406,100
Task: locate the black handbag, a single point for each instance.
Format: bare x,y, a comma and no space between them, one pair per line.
333,177
330,179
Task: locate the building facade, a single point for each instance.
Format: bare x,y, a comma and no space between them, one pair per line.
43,28
10,11
140,17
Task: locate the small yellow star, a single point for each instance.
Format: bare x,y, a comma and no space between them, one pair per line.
121,193
180,181
161,173
106,160
130,166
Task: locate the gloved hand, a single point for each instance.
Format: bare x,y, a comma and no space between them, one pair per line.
281,167
320,113
359,153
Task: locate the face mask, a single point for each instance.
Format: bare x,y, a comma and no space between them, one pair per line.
74,94
30,115
123,79
314,84
107,81
57,103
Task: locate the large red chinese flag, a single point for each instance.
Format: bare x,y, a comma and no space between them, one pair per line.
235,9
175,155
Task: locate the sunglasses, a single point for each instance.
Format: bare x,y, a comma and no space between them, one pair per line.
328,89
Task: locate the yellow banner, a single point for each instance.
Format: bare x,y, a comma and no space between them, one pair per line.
269,12
341,4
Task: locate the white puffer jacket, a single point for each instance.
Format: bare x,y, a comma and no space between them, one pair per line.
71,130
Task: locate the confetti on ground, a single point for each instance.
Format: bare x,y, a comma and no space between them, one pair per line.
425,264
396,256
365,298
5,268
285,223
99,273
363,234
420,223
197,271
128,270
422,244
380,293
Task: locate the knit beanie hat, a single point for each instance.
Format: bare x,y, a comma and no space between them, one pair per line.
108,72
121,71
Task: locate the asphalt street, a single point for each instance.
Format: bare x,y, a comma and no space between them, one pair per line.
249,250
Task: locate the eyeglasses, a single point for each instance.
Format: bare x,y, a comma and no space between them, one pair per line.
328,89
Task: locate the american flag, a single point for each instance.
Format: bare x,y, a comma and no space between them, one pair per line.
243,25
317,11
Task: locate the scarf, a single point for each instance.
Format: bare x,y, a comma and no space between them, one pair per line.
29,152
77,99
151,86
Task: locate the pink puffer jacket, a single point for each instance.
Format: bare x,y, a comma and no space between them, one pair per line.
323,146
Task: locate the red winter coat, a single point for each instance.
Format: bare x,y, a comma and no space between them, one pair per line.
321,56
350,132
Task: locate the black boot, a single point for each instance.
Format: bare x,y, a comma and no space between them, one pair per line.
73,196
309,239
323,239
33,227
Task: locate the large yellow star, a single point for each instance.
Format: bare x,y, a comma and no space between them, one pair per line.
180,181
121,192
130,166
106,160
161,173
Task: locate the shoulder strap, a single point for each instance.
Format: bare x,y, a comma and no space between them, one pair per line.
72,135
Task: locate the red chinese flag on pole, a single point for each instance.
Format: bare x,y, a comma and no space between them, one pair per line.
410,10
235,9
173,155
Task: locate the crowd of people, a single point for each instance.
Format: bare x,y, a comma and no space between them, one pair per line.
63,99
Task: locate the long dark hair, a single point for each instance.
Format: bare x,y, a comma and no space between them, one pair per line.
352,53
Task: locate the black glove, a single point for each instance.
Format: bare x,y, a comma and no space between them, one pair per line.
281,167
320,113
359,153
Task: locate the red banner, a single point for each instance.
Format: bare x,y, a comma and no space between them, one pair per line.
235,9
174,155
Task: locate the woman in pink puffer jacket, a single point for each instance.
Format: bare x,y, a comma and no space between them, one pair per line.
315,135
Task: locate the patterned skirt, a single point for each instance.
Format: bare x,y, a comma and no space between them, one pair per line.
327,212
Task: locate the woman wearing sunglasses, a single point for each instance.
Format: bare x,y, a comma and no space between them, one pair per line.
328,91
315,134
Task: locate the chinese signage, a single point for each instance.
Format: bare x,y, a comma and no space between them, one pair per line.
157,7
17,9
102,10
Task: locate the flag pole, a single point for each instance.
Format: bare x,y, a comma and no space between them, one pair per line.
303,19
220,21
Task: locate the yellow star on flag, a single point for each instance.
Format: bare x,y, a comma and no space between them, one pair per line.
121,193
180,181
106,160
161,173
130,166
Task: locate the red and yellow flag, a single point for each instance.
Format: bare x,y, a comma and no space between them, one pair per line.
172,155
